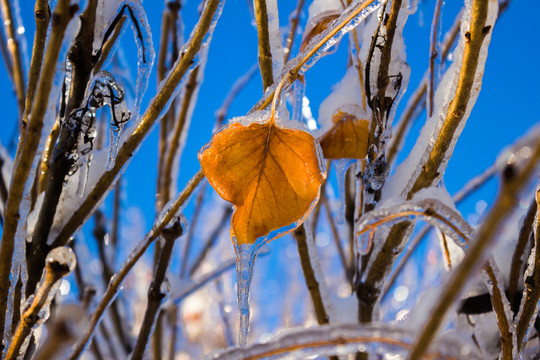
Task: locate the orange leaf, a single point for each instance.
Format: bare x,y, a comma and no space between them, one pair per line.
272,175
347,139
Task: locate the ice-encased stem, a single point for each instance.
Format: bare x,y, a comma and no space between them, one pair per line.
342,165
27,150
245,261
152,114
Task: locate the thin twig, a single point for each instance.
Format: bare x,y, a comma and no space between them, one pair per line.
28,148
500,304
146,123
14,48
181,125
335,233
191,230
531,294
42,13
294,19
309,274
108,45
155,291
132,259
60,263
516,268
417,100
294,73
265,51
433,53
504,203
211,241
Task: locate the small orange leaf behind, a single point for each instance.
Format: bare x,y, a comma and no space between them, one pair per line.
317,25
271,174
347,139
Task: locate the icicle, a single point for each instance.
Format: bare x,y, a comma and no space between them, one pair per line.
245,261
145,49
299,89
342,165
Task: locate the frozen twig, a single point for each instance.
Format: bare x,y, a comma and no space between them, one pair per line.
531,295
343,339
512,186
15,52
501,307
433,54
516,268
60,262
156,293
309,274
28,147
42,13
297,70
211,241
147,121
265,52
294,20
132,259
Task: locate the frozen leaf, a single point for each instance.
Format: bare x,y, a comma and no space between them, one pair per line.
318,24
347,139
271,174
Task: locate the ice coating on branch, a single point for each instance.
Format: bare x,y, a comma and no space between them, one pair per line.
508,313
431,210
19,258
145,48
529,273
276,45
341,166
379,340
407,172
324,50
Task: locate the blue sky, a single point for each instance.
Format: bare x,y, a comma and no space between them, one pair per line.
506,107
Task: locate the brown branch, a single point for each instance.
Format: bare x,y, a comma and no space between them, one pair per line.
28,148
147,121
14,49
118,278
498,301
516,268
309,274
191,230
155,292
531,294
417,100
265,52
60,263
474,40
506,200
42,14
172,151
